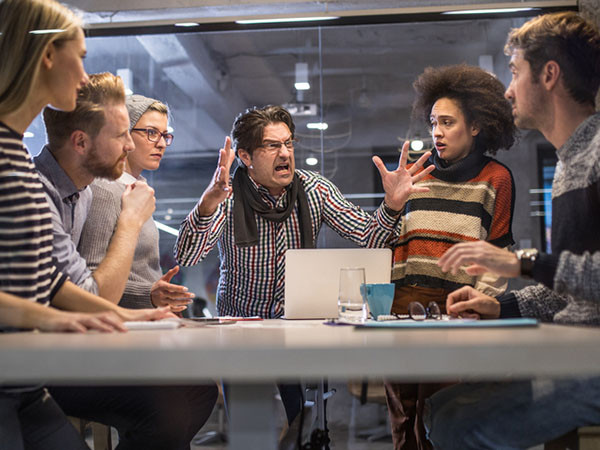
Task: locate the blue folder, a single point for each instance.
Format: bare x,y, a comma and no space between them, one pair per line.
453,323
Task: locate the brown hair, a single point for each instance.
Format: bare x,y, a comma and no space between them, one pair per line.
568,39
103,89
22,46
248,127
480,97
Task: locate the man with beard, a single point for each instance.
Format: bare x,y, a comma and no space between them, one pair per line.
92,141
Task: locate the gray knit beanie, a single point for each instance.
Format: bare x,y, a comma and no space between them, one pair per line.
137,105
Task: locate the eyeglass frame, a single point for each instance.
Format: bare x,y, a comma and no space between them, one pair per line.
427,312
273,147
168,137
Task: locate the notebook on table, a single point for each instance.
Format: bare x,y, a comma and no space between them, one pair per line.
312,277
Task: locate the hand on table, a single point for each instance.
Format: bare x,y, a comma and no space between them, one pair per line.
106,321
468,302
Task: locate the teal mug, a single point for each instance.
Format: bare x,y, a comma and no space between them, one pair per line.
380,297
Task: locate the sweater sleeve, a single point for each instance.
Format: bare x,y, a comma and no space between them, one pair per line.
578,276
532,301
99,226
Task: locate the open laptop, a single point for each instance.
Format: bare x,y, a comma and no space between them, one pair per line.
312,277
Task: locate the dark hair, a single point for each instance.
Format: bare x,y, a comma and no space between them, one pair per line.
248,127
568,39
480,97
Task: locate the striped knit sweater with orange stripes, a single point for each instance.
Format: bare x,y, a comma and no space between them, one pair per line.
470,200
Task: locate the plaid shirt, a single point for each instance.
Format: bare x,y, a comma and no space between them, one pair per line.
251,281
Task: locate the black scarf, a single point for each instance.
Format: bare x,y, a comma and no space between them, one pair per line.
247,200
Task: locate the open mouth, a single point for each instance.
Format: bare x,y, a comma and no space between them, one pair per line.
282,167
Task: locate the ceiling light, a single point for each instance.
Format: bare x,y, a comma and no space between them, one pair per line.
187,24
416,145
311,161
490,11
49,31
302,83
284,19
28,134
166,228
317,126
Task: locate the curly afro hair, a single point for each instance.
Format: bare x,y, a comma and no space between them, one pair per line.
480,96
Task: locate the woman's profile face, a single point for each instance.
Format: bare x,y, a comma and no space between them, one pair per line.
452,136
65,73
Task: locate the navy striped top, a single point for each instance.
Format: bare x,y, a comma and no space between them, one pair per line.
251,281
26,267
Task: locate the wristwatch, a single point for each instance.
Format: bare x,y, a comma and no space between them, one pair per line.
527,257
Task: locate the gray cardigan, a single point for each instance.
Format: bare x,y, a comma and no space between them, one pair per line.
96,235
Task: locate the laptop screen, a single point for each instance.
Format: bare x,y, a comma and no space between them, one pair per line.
312,277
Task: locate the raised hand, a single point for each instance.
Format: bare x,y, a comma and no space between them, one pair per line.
219,187
138,203
164,293
468,302
400,183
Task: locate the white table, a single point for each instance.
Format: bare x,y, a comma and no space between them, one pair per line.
251,355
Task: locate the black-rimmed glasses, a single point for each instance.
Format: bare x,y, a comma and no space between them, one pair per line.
275,146
416,311
154,135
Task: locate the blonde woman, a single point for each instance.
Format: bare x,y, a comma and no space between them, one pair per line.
42,48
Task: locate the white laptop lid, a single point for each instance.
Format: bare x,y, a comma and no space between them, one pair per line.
312,277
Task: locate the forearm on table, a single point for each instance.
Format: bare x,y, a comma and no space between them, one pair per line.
71,297
20,313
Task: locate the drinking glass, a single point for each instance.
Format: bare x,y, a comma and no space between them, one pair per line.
352,305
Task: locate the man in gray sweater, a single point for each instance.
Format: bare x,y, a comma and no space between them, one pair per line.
555,65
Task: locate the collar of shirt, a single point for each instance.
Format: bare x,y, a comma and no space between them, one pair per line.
49,167
264,192
127,178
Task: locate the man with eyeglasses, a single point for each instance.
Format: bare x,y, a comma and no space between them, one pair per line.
270,207
555,66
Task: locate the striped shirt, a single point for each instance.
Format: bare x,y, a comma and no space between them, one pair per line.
26,267
251,281
469,201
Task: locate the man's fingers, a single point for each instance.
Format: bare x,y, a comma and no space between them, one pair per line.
420,162
379,164
170,274
404,154
422,174
475,270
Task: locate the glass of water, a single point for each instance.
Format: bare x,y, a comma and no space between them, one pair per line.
352,306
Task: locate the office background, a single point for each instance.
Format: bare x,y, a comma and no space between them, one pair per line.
359,64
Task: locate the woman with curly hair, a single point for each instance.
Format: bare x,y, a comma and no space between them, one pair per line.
470,197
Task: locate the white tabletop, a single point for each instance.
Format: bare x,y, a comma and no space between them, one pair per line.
270,349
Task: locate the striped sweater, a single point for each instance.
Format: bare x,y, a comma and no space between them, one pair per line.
26,267
251,280
467,201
